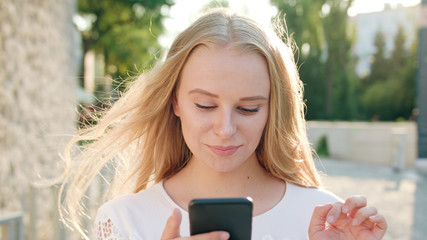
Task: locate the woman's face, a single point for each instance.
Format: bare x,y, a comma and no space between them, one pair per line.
223,103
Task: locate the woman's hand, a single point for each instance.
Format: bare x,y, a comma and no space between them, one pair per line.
171,230
349,220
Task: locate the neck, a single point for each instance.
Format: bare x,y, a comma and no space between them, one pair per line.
250,179
239,182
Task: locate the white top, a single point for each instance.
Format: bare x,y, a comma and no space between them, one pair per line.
143,215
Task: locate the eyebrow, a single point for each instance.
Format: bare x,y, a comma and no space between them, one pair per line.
204,92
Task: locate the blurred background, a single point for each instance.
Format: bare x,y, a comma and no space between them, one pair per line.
363,64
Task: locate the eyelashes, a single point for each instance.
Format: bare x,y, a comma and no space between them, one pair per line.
249,110
204,107
244,110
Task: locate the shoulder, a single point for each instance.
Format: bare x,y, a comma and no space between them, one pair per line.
312,196
135,200
145,201
293,213
135,211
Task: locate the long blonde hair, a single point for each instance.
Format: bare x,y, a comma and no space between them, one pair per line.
142,138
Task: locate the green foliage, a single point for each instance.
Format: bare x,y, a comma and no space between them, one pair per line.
322,34
388,93
379,65
322,148
313,72
125,32
303,20
327,66
304,25
400,55
393,97
340,64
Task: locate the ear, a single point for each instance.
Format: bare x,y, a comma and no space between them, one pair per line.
175,105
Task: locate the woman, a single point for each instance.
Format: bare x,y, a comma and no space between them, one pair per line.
222,116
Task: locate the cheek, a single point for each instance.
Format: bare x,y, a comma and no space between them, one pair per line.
256,129
256,125
193,123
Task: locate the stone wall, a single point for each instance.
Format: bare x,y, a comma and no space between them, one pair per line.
381,143
39,54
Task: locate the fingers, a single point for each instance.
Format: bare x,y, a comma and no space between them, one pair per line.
363,214
173,223
357,212
217,235
351,206
334,212
171,230
318,219
369,217
380,225
353,203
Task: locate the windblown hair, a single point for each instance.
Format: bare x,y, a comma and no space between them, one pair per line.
141,137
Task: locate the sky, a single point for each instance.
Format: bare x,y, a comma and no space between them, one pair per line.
186,11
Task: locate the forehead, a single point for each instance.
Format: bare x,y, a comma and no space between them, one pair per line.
224,69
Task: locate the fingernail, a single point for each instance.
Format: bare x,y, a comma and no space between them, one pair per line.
331,219
225,235
345,209
355,222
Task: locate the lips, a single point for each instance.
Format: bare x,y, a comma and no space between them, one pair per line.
223,151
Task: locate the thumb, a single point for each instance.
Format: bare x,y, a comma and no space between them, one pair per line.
171,230
318,219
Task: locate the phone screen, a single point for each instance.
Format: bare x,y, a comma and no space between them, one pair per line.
233,215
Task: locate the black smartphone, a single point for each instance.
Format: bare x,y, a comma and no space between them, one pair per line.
233,215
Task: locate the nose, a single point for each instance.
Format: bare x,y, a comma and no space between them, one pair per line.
225,126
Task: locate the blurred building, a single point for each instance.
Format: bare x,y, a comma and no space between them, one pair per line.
388,21
38,79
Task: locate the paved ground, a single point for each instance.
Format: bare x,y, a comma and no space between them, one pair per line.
400,196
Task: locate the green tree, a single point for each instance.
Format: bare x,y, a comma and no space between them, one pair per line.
303,20
378,73
400,55
123,33
304,25
340,64
390,90
326,66
402,72
392,98
379,64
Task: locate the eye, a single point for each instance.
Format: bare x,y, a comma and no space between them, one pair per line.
248,110
204,107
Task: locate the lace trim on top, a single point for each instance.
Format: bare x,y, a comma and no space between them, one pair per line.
106,230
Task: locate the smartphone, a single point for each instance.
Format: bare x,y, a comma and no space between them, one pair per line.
233,215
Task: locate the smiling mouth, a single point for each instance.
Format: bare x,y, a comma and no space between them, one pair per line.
223,151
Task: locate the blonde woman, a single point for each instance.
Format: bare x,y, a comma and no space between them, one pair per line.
222,116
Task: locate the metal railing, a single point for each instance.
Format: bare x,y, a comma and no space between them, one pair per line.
59,232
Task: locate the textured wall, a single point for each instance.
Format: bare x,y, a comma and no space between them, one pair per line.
38,78
368,142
